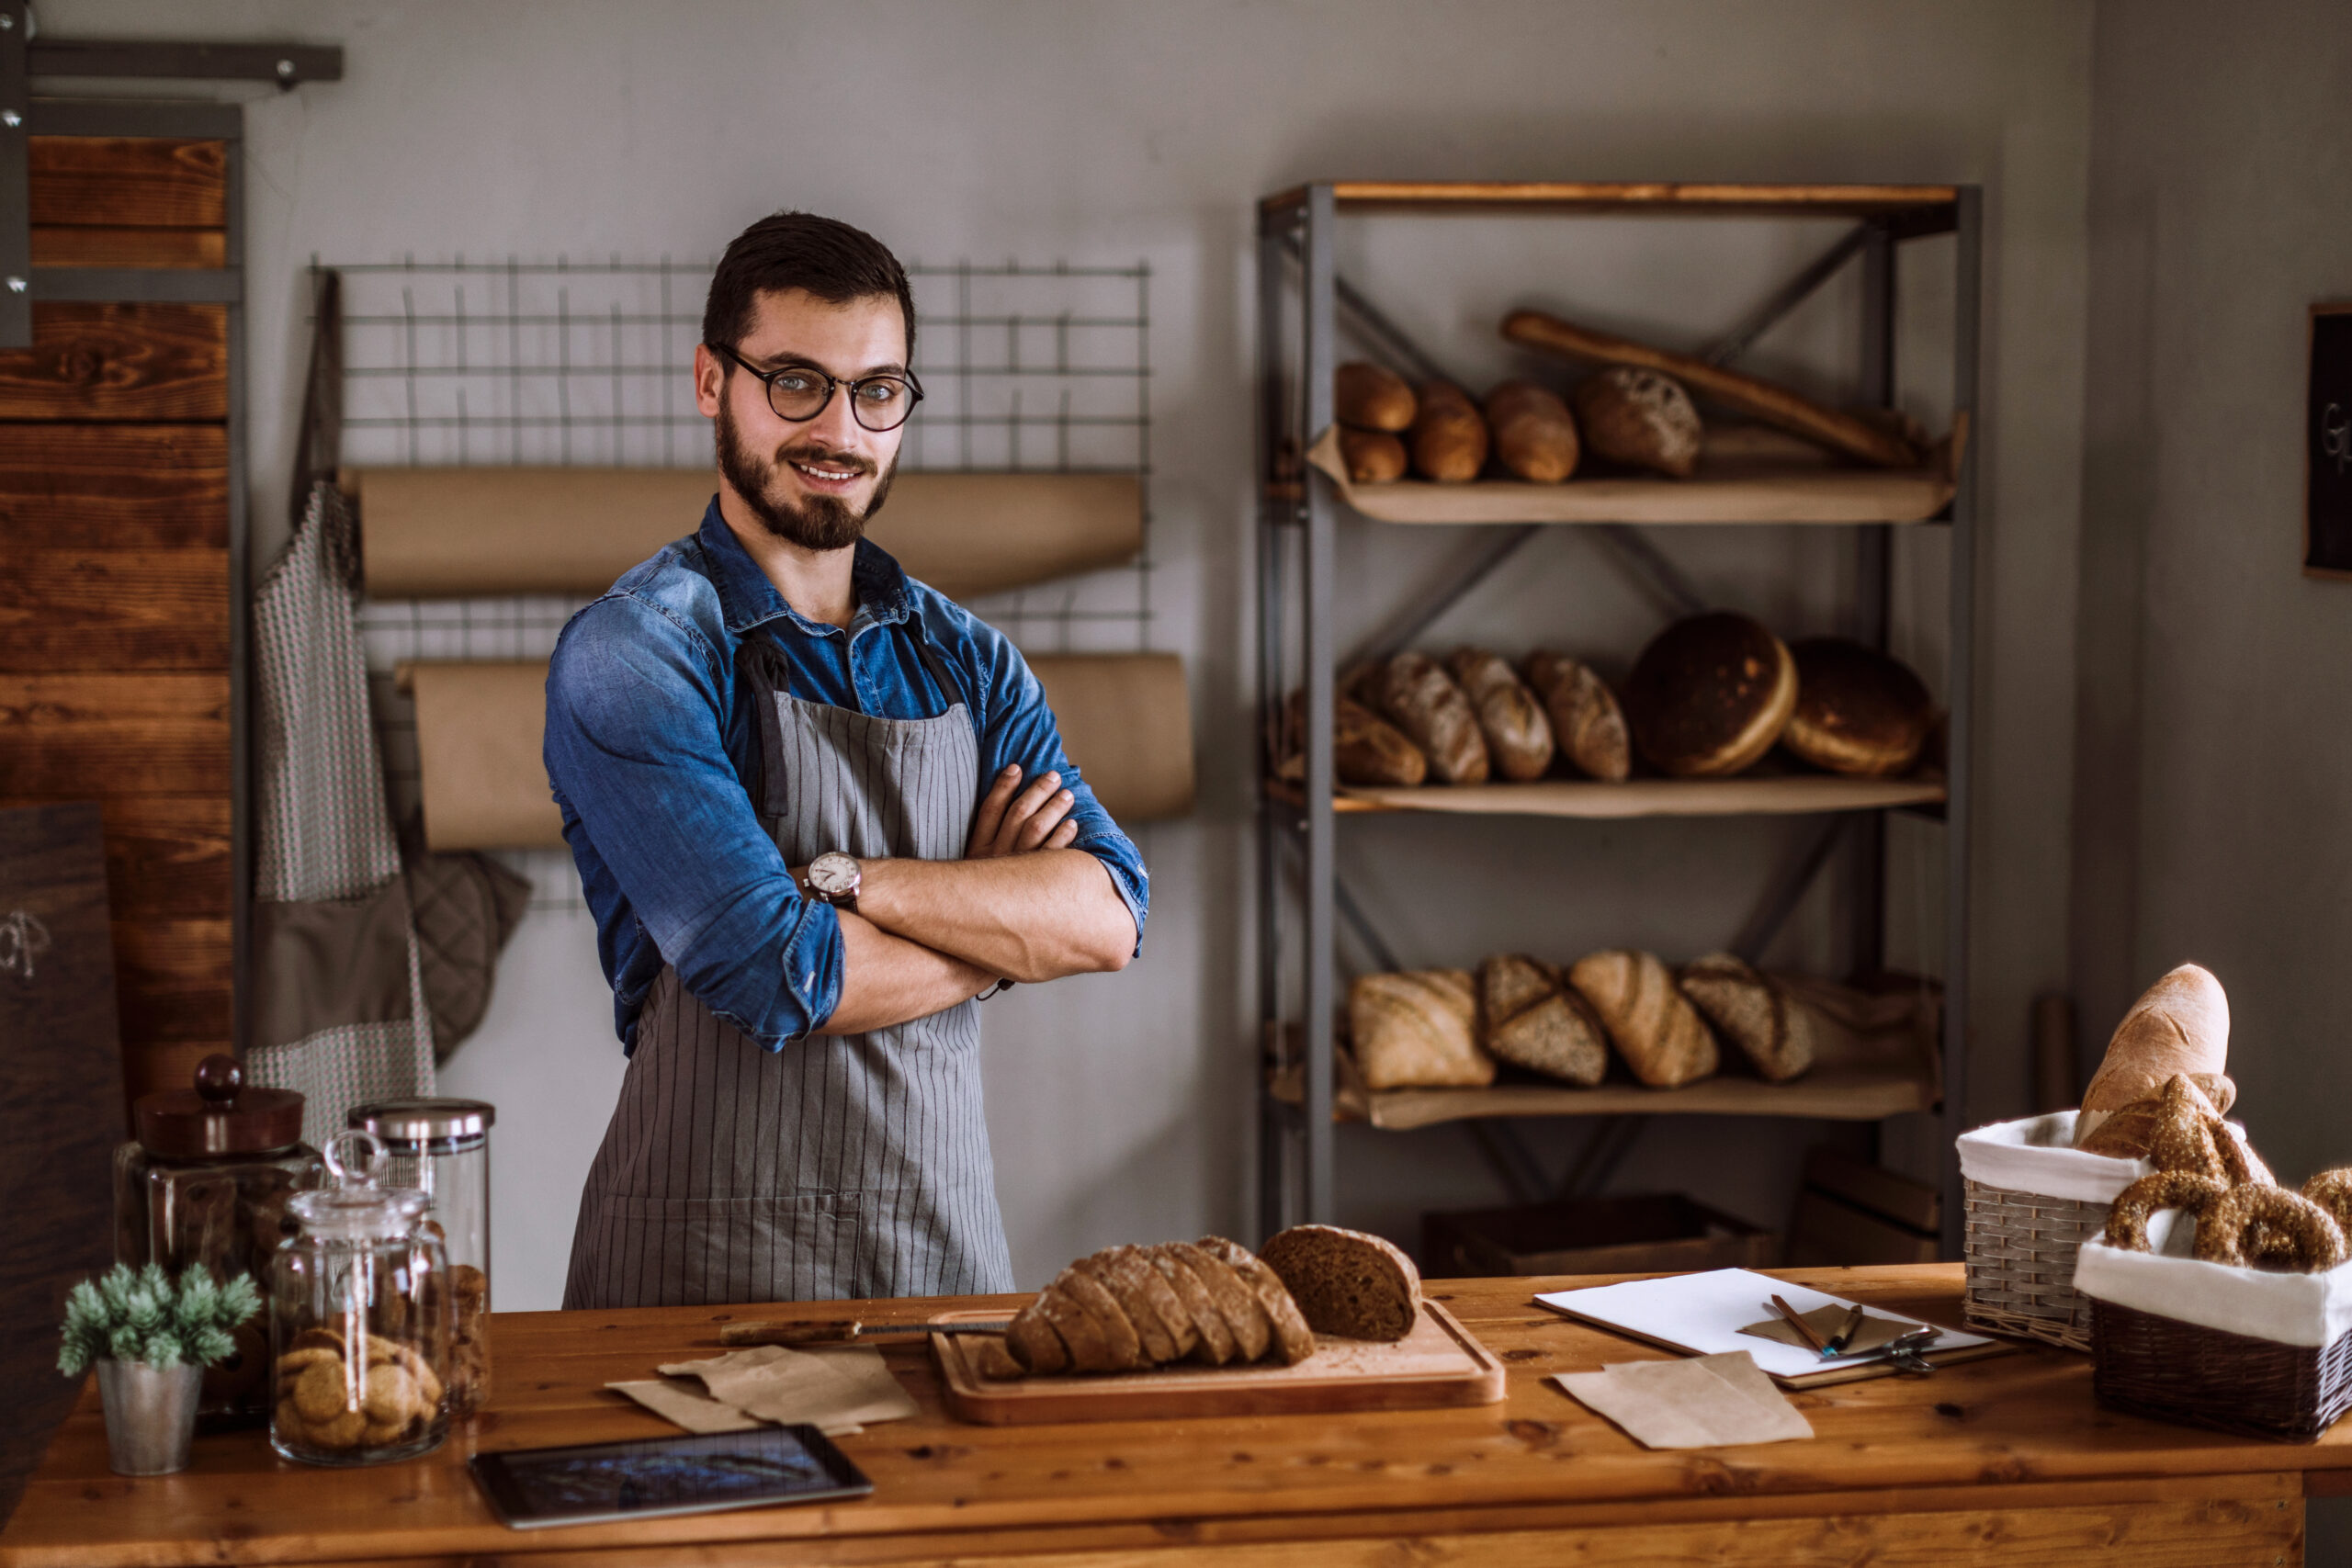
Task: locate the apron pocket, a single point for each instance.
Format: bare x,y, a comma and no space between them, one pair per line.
715,1251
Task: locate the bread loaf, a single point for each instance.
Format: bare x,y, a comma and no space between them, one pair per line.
1365,748
1640,418
1653,1025
1369,398
1418,1029
1857,710
1709,695
1534,434
2180,1025
1519,736
1531,1019
1217,1345
1373,456
1034,1343
1587,723
1449,436
1347,1282
1244,1319
1420,699
1130,1308
1771,1029
1292,1340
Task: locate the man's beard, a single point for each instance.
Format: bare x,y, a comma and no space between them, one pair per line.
812,522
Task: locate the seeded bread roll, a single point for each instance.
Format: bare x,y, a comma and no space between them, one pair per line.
1535,436
2131,1133
1369,398
1217,1345
1653,1025
1587,723
1534,1020
1251,1329
1422,699
1449,435
1293,1341
2182,1024
1123,1345
1417,1030
1709,695
1770,1027
1639,417
1857,711
1373,456
1347,1282
1519,736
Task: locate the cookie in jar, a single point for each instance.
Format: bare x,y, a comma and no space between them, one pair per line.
441,1147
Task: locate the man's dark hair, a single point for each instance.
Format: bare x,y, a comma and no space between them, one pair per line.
799,250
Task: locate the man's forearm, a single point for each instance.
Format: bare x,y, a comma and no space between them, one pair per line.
887,979
1029,916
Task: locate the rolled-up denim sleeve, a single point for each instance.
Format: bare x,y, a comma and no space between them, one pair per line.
1018,725
635,744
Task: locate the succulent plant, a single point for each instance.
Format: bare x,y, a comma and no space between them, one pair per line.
142,1314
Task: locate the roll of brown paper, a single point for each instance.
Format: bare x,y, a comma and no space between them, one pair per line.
1126,721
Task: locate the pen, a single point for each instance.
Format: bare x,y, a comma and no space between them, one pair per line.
1845,1335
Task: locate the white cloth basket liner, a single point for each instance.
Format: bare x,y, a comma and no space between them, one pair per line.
2312,1310
2036,1154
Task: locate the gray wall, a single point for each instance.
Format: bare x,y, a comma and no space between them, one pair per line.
1107,131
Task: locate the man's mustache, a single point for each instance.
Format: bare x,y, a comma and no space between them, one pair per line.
818,457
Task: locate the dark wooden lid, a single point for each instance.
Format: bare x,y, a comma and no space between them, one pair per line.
1701,686
219,1116
1852,690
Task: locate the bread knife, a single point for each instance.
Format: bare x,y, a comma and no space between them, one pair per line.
845,1331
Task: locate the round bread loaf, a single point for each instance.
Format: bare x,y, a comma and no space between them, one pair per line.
1535,436
1587,723
1370,397
1709,695
1518,738
1859,711
1639,417
1373,457
1347,1282
1771,1027
1449,436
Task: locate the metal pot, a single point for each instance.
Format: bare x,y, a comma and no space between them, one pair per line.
151,1414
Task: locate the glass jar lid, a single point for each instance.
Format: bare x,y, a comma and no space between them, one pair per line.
426,1126
218,1115
352,1206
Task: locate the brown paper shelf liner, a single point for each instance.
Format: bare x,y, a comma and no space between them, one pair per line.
458,533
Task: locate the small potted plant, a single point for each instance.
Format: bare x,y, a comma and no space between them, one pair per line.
151,1338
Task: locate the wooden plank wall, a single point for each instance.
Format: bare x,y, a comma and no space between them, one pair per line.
114,575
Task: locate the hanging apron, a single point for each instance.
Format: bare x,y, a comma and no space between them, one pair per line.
854,1165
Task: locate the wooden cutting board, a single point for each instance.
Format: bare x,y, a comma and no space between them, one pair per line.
1438,1364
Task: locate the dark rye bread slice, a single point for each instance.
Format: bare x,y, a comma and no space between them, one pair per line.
1252,1330
1347,1282
1123,1346
1217,1345
1033,1341
1157,1297
1159,1346
1293,1339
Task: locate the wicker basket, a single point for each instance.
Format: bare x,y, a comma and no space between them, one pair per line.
2208,1377
2020,1244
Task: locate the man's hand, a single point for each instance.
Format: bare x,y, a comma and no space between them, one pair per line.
1014,824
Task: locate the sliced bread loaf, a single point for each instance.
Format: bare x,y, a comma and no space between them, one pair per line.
1076,1328
1293,1339
1217,1345
1033,1341
1124,1345
1347,1282
1251,1329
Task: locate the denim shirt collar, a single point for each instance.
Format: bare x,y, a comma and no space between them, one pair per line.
748,600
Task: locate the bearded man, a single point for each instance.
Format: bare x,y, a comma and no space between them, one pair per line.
818,810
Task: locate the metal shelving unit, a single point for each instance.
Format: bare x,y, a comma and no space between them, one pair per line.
1301,299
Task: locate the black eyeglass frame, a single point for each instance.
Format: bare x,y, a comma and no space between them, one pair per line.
767,379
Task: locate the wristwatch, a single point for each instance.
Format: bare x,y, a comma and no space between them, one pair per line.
833,878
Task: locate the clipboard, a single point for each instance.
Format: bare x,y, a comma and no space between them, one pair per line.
1701,1315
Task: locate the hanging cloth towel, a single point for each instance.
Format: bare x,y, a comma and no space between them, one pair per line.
339,1008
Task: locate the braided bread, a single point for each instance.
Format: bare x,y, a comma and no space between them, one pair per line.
2127,1222
2251,1226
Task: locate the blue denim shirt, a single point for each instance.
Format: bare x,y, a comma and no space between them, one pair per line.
652,738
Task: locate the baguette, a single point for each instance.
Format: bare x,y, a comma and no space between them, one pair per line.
1518,738
2180,1025
1449,436
1368,397
1535,436
1587,723
1653,1025
1420,699
1373,456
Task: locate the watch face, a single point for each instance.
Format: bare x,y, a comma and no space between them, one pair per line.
833,874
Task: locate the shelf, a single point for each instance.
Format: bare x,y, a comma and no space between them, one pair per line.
1856,1092
1787,794
1637,195
1824,495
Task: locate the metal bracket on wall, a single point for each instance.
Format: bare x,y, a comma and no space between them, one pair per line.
16,179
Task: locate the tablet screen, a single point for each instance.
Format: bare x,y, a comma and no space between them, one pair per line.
666,1475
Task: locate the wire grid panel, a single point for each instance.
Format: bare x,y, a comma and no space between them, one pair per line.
1028,367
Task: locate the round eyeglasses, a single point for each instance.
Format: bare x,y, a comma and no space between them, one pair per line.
800,392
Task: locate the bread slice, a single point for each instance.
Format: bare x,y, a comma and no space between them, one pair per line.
1076,1328
1119,1336
1768,1025
1160,1320
1251,1329
1217,1345
1150,1332
1347,1282
1293,1339
1033,1341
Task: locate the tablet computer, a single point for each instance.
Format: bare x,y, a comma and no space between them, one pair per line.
531,1488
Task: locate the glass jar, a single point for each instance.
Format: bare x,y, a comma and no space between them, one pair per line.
207,1179
441,1147
358,1319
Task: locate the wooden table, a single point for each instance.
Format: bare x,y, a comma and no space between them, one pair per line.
2002,1461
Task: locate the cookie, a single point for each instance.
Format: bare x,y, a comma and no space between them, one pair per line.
318,1392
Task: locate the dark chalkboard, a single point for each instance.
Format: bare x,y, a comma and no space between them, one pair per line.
2327,444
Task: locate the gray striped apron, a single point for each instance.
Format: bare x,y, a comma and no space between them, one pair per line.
842,1167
